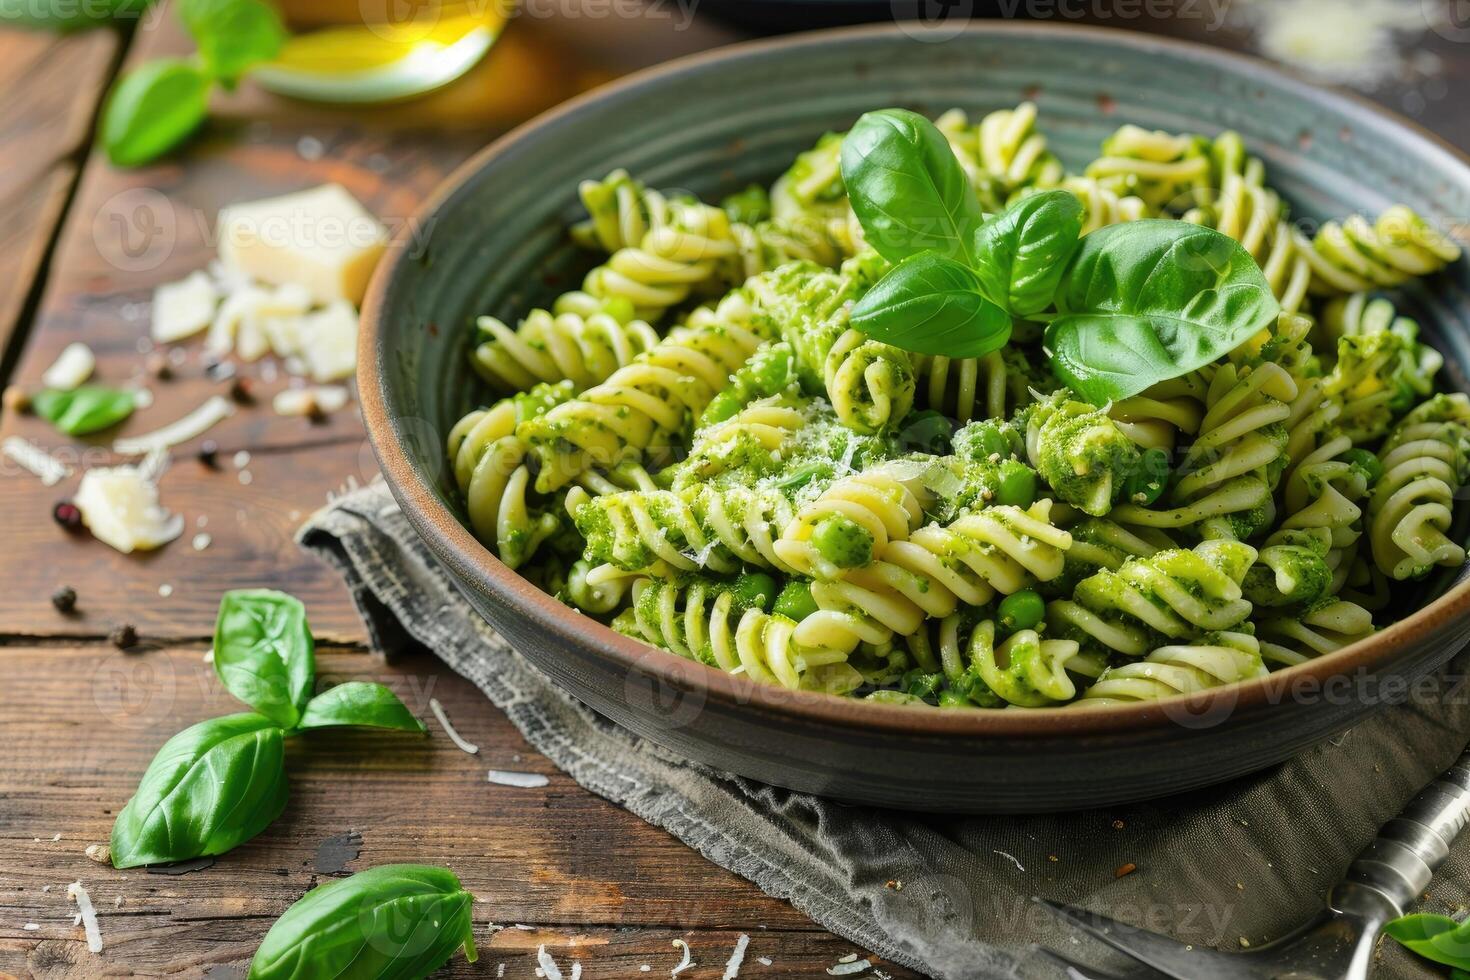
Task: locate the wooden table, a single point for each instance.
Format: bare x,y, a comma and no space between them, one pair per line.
79,719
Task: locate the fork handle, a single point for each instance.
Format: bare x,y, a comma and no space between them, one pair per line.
1390,874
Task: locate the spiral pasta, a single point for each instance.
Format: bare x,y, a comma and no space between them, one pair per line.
1354,256
656,396
1324,626
1103,205
620,212
702,621
1161,169
871,509
1172,594
1081,453
552,347
1214,660
1425,462
996,550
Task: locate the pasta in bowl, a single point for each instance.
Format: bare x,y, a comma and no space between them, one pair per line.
950,463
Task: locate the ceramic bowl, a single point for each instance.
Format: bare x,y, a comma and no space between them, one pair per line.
495,242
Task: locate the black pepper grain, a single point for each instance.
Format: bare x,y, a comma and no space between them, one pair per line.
240,391
209,454
64,599
124,636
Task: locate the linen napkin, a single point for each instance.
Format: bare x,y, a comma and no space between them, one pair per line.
951,897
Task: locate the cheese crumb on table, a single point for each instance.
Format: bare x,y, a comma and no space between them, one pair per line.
182,309
73,367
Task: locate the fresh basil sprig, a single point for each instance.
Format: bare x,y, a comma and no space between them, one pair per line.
211,787
1436,938
84,410
394,922
1150,300
932,304
218,784
160,103
906,187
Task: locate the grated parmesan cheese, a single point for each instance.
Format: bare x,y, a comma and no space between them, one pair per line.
846,967
196,423
182,309
686,962
329,342
550,970
454,736
78,894
732,967
30,927
119,505
309,401
525,780
73,366
1363,44
33,459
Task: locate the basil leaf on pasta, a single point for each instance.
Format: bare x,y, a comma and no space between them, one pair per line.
1152,300
906,187
1021,253
930,304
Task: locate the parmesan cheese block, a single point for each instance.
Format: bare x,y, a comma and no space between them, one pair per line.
120,507
322,239
182,309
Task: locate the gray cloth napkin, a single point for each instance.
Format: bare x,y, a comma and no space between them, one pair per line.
949,896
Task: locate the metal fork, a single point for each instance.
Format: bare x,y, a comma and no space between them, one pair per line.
1384,880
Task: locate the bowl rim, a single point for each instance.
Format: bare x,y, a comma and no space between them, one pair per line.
455,545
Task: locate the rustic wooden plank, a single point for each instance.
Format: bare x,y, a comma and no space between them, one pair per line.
52,87
250,530
81,722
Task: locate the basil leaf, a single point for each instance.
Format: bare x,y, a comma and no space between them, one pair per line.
69,14
152,109
906,187
359,703
84,410
395,922
1150,300
930,304
1434,937
1021,253
233,35
210,788
263,652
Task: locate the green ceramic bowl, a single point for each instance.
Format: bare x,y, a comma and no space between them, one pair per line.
496,243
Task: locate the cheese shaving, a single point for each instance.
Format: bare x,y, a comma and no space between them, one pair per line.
78,894
686,962
549,969
196,423
848,969
35,460
1013,859
120,507
525,780
182,309
74,366
454,736
732,967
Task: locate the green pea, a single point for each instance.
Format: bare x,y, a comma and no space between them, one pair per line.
1021,610
723,406
950,698
1016,484
843,541
1147,481
795,601
1366,461
754,590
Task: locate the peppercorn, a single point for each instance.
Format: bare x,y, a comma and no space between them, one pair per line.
240,391
17,400
209,454
64,599
315,414
67,514
124,636
158,366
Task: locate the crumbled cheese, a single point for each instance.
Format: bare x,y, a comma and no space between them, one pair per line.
79,895
201,541
846,968
549,969
525,780
241,459
309,401
142,397
245,478
1364,43
329,342
849,958
30,927
101,853
34,459
74,366
686,962
119,505
182,309
196,423
454,736
763,960
321,238
732,967
165,590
